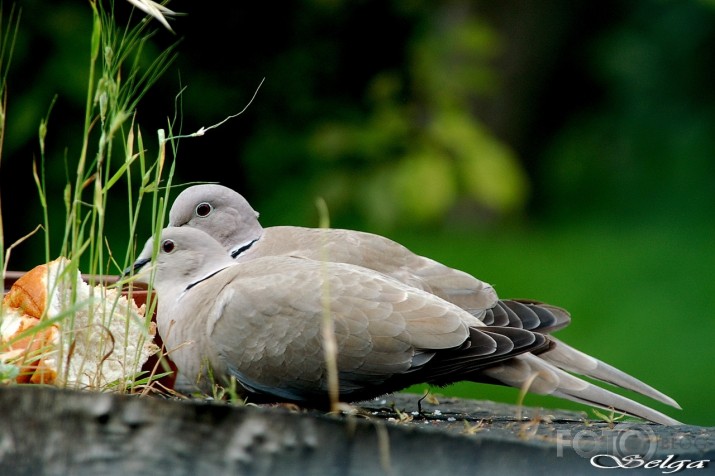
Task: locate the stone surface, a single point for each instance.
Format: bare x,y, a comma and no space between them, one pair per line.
46,431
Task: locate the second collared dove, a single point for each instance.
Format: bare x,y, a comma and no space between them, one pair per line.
228,217
260,322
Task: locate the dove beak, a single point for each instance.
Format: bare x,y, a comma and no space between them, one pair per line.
137,266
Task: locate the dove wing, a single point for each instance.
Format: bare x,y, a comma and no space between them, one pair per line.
265,326
380,254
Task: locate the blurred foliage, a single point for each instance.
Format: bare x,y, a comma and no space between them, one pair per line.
648,143
413,147
576,137
404,114
419,148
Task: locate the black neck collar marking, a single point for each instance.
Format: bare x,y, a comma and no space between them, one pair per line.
236,253
204,278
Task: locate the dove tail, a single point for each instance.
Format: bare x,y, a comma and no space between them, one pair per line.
567,358
551,380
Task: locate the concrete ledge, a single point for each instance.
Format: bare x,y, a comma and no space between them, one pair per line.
46,431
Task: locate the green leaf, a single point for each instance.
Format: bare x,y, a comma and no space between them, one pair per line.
488,169
96,33
424,186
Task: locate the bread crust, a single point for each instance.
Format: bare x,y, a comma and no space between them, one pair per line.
29,293
26,300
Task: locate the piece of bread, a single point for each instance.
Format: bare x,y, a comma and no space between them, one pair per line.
26,353
82,336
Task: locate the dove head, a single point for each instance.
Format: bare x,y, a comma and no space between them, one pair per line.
219,211
185,256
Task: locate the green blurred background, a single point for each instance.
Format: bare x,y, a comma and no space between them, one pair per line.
560,150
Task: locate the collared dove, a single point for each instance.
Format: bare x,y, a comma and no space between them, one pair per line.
260,322
228,217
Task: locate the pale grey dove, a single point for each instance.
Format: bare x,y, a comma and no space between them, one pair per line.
260,322
227,216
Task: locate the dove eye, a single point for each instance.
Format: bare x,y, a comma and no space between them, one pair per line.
203,209
168,246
